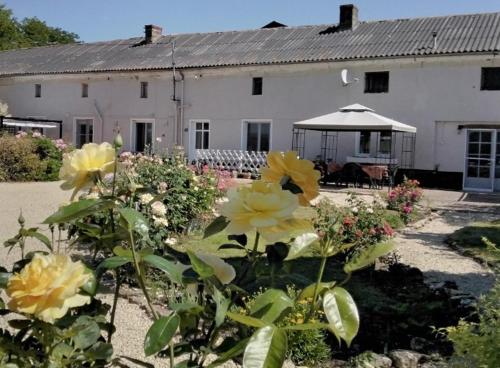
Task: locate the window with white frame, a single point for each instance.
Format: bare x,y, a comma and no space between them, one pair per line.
364,143
257,136
201,135
84,132
385,143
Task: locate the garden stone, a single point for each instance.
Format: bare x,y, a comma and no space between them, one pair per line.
405,358
336,363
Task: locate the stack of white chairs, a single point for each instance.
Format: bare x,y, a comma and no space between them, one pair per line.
232,160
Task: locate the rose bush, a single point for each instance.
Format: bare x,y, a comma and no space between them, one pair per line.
208,291
404,197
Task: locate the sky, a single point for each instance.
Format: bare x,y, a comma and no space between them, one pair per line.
95,20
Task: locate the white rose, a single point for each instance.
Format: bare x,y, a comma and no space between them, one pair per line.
158,209
160,221
354,210
171,241
145,198
369,210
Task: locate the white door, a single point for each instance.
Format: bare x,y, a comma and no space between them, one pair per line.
84,132
199,137
480,160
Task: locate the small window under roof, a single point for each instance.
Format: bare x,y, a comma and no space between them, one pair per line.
274,24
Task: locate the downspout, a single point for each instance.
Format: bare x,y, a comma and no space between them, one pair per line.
182,110
96,107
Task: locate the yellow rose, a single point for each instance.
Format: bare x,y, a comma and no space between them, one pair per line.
81,166
300,172
47,287
264,207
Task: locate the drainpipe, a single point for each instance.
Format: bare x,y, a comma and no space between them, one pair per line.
181,123
99,114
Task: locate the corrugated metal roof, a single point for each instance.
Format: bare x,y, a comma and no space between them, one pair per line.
475,33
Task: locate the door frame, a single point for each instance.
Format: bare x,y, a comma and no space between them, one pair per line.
75,118
132,131
192,138
492,160
244,122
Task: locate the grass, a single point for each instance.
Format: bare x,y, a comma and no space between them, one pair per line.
469,240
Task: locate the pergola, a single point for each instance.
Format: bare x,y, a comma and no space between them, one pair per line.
359,118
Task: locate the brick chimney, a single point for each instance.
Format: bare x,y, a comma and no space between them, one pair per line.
152,33
348,17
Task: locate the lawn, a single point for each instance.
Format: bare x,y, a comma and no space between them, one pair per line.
469,240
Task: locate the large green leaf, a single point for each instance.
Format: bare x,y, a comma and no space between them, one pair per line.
90,287
133,220
306,326
86,332
342,314
367,256
301,244
77,210
160,333
114,262
216,226
173,270
266,349
99,351
4,279
246,320
222,305
308,291
2,304
33,233
200,267
269,305
233,352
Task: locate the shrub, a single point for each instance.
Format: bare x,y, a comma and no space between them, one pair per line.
476,344
29,157
404,197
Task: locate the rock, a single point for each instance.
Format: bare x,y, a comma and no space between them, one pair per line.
405,358
336,363
370,359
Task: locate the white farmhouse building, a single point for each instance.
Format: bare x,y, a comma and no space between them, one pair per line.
245,89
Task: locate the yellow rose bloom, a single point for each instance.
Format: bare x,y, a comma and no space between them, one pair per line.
80,166
47,287
300,172
264,207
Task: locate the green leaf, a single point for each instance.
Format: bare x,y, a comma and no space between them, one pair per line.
189,307
123,252
231,246
266,349
86,331
246,320
160,333
77,210
200,267
269,305
292,187
4,279
222,305
100,351
342,314
173,270
2,304
136,361
308,292
134,221
306,326
367,256
33,233
216,226
300,244
235,351
113,262
90,287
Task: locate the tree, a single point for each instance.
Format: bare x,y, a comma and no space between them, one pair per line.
30,32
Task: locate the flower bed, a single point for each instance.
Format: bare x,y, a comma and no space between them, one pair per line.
404,197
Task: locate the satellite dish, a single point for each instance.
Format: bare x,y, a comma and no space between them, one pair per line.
344,75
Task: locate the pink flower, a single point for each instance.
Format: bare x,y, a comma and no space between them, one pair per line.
388,230
407,209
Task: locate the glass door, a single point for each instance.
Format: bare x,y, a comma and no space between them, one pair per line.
479,160
143,136
84,132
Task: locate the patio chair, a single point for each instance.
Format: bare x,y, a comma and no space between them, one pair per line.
390,180
353,173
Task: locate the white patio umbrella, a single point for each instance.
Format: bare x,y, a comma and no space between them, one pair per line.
354,118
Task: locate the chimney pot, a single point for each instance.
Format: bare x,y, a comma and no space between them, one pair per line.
348,17
152,33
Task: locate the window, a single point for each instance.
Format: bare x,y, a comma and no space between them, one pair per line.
38,90
257,86
202,135
85,90
377,82
385,143
143,133
84,130
490,79
364,143
144,89
258,136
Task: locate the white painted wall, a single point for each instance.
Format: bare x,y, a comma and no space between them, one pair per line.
422,92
